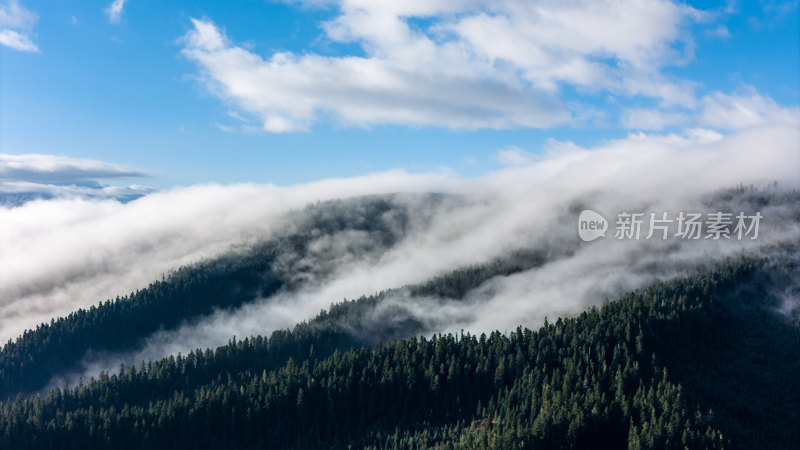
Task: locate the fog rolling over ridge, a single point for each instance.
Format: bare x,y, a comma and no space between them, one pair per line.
86,251
311,224
570,277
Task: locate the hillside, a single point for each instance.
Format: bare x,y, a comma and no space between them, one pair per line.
283,263
707,358
30,361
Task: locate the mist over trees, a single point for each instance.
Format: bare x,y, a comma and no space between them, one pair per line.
28,363
706,359
615,377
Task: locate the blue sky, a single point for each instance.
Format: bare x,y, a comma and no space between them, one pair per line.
190,92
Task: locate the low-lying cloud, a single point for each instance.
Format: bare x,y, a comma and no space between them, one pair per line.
35,176
60,255
58,169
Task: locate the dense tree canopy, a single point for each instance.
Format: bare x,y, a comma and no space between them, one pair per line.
626,375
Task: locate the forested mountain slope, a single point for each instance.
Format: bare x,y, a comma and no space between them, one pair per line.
695,362
280,264
360,229
30,361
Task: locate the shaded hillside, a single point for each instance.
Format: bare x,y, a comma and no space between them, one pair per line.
742,360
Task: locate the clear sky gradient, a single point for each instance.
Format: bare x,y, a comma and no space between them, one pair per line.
288,92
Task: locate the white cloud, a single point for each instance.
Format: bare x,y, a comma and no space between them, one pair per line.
114,11
718,110
14,16
652,119
778,9
514,156
40,167
36,176
288,91
476,65
17,193
720,32
225,128
17,41
731,111
16,24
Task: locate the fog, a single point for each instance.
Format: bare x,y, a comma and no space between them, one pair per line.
60,255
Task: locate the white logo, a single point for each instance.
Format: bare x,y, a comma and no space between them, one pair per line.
686,226
591,225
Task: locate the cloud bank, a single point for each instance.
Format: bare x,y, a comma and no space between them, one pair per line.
62,254
30,177
531,206
50,168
